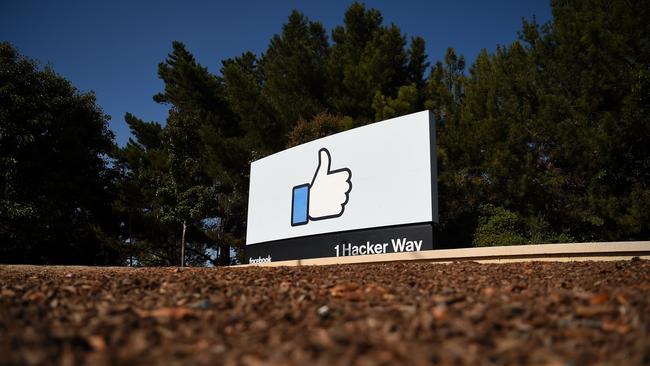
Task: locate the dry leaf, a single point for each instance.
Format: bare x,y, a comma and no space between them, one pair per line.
97,343
599,299
166,312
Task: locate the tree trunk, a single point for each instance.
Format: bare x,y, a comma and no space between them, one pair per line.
224,249
130,242
224,254
183,244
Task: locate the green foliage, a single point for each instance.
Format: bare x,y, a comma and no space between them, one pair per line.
498,226
294,66
405,103
550,126
540,232
55,183
367,57
243,81
544,140
169,168
259,105
594,125
323,124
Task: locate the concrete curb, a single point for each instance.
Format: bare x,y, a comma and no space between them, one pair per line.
516,253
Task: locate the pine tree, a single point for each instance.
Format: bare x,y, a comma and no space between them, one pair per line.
365,58
293,66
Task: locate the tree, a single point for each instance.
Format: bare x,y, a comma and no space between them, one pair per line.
199,187
243,82
189,194
543,140
144,164
167,186
593,121
56,183
294,69
551,128
323,124
366,58
417,62
407,101
459,176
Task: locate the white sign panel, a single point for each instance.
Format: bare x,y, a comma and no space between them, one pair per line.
378,175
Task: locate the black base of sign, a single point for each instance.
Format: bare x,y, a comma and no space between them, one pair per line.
393,239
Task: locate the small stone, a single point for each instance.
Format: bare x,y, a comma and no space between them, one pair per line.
201,304
323,311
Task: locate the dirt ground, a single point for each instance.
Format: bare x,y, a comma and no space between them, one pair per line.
399,313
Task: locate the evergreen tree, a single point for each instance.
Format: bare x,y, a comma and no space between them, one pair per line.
56,185
544,127
144,164
294,69
542,140
594,124
182,194
243,81
366,58
323,124
407,101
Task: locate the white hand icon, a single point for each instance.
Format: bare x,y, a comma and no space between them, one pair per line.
329,190
325,197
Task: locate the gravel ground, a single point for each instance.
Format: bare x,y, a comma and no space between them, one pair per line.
399,313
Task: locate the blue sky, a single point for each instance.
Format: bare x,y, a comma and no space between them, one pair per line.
113,47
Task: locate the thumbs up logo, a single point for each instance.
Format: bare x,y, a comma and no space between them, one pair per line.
325,197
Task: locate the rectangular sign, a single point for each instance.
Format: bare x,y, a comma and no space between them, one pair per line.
379,175
409,238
